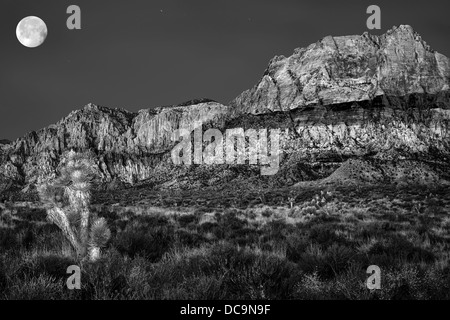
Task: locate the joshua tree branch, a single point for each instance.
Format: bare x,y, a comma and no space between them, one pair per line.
58,217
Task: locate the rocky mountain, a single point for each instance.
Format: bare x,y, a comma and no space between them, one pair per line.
351,107
127,145
346,69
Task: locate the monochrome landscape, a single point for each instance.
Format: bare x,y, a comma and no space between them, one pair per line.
354,171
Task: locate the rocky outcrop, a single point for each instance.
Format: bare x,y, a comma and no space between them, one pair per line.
346,69
386,97
377,98
127,145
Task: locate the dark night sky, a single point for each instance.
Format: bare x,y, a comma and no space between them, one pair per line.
131,55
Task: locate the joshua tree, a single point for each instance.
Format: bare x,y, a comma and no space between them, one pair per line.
67,201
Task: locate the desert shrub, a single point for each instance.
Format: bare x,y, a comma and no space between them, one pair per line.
315,206
28,238
295,245
212,227
230,220
324,234
303,211
275,230
42,235
267,212
188,238
106,278
151,221
351,285
244,236
187,219
338,257
328,262
264,277
141,239
118,226
179,264
312,260
8,239
311,287
372,230
399,249
255,275
54,265
334,273
225,271
42,287
137,279
409,282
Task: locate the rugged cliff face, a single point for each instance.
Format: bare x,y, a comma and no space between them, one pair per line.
346,69
385,97
127,145
384,100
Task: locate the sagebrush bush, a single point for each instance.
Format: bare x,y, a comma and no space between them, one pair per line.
41,287
315,206
8,238
146,240
53,265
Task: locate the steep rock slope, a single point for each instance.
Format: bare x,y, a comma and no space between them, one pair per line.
349,68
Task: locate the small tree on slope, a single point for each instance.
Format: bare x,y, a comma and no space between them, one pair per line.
67,201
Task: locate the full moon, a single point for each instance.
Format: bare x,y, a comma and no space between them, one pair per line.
31,31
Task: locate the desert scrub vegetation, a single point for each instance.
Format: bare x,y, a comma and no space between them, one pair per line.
264,251
321,203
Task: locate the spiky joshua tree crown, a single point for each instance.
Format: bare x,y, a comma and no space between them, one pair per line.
67,200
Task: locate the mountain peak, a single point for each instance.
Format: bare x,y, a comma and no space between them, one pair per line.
402,28
91,106
406,33
348,68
